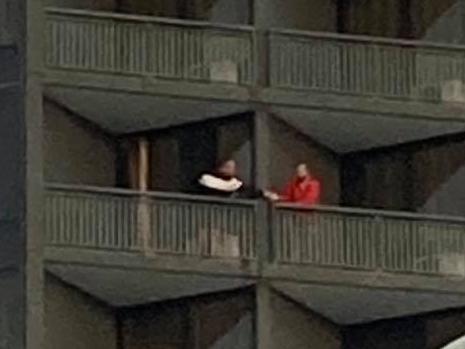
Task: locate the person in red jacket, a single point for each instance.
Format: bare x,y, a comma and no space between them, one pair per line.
302,189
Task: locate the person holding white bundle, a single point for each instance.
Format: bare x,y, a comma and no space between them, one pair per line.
222,181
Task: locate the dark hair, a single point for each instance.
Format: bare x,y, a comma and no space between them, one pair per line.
223,161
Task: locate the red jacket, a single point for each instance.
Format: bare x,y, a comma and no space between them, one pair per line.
305,192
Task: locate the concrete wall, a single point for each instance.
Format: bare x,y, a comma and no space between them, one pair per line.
438,20
423,176
443,22
289,148
165,165
224,11
74,320
101,5
75,151
224,323
444,328
233,137
316,15
13,212
231,11
12,320
294,327
373,17
428,331
399,334
11,152
434,20
6,26
235,140
180,155
220,321
154,8
156,327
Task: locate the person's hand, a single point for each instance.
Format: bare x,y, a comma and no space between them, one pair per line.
270,195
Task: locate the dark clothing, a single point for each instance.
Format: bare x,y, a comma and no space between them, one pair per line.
212,190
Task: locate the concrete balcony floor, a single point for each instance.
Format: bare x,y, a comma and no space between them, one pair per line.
350,265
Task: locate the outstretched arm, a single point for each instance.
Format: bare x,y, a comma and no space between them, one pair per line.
285,195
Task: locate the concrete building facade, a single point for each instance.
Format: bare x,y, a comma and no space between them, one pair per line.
111,109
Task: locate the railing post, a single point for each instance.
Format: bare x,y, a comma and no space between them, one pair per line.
262,58
264,316
379,241
261,40
143,211
263,234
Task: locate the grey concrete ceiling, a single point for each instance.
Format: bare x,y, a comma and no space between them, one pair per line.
352,305
125,287
125,113
346,131
341,131
341,304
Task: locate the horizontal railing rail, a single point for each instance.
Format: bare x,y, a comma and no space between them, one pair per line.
369,239
149,46
152,223
364,65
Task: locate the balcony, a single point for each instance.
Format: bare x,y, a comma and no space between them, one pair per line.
355,266
367,66
158,225
370,240
101,42
138,46
151,224
99,238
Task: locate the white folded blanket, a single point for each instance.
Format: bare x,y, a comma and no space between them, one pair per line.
212,182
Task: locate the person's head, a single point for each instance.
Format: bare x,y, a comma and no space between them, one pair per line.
227,168
302,171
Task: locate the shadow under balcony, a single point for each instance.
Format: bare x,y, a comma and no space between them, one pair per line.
127,247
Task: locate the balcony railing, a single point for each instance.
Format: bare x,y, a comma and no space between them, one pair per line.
199,51
154,47
367,66
151,223
369,240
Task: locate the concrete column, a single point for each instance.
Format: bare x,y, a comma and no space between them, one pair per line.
33,114
262,150
144,164
263,316
462,21
260,8
262,166
21,204
262,48
143,178
139,164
